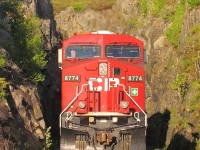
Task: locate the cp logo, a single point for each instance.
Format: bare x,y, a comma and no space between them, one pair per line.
98,84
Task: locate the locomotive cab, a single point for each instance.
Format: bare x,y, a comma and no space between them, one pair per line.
102,92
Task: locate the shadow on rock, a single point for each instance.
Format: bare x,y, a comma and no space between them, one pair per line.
179,142
157,130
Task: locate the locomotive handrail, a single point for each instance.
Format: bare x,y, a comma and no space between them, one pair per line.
77,94
135,103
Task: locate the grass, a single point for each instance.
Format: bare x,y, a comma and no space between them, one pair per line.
158,7
143,6
80,5
134,22
173,32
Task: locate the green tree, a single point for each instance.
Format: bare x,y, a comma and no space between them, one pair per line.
31,55
28,52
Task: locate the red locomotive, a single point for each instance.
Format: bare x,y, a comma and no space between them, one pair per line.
102,92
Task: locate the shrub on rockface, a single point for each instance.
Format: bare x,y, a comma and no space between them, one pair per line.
3,85
173,32
48,140
173,11
158,7
143,6
2,62
177,18
194,3
27,51
3,82
185,114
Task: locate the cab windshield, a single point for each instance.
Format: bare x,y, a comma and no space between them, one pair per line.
122,51
83,51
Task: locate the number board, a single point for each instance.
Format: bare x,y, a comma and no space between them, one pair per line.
72,78
135,78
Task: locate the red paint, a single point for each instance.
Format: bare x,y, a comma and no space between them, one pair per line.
109,97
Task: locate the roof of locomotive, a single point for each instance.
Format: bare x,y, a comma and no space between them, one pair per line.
102,38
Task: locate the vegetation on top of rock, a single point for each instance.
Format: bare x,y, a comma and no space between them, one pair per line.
194,3
157,7
180,84
173,32
182,70
173,11
176,19
27,51
143,6
187,84
80,5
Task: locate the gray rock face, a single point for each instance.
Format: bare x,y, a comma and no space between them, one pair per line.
27,102
24,98
23,109
69,21
4,112
5,38
192,18
45,9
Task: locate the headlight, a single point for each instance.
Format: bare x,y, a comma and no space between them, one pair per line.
103,67
82,105
124,105
114,119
